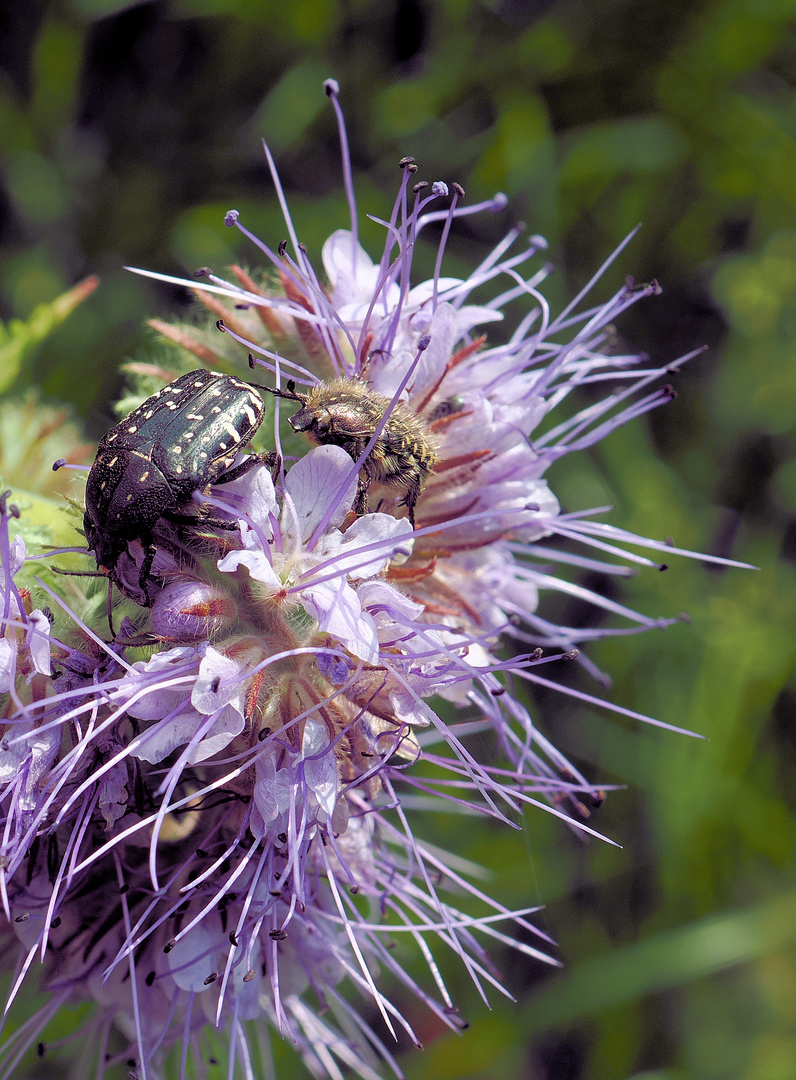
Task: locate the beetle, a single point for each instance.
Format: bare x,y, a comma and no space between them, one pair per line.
180,440
347,413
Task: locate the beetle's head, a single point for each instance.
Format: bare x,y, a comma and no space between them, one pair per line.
107,546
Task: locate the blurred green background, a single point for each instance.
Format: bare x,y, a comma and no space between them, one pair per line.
126,131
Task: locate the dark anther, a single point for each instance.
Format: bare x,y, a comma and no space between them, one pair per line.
663,566
424,343
40,1049
247,978
169,946
458,189
211,978
282,838
420,185
251,361
57,464
282,248
220,326
406,161
231,217
263,733
150,978
277,935
22,918
499,692
124,889
233,938
55,923
214,685
203,271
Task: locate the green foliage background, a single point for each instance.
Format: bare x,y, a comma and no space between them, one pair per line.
126,131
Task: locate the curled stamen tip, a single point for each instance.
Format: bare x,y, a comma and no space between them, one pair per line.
420,185
331,87
57,464
220,326
282,248
439,187
459,190
231,218
203,271
408,160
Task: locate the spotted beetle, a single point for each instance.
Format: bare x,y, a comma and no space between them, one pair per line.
148,466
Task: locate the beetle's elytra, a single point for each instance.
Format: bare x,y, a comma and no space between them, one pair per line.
148,466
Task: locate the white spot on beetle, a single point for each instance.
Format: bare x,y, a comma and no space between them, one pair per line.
143,477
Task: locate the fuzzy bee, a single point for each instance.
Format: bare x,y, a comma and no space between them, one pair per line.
346,413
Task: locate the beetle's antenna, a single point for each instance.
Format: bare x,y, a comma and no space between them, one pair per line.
291,393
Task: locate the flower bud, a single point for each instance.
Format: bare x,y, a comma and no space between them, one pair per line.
186,610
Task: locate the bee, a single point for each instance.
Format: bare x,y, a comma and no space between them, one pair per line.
346,413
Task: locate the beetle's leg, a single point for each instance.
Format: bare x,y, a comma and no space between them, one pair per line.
110,608
269,460
150,550
361,501
193,520
410,499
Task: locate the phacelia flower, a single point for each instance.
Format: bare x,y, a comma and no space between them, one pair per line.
208,818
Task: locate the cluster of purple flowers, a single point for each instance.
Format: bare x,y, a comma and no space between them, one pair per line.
208,819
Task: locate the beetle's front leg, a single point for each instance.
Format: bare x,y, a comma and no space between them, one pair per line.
150,550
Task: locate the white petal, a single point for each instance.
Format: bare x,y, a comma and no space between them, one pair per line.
39,641
314,485
193,958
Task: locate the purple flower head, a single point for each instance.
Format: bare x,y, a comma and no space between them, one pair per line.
208,820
